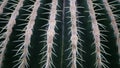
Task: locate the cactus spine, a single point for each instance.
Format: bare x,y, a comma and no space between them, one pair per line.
3,5
50,33
9,27
113,23
74,35
96,34
23,60
65,37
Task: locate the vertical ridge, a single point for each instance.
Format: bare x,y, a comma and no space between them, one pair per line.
4,3
50,35
23,60
74,37
8,28
96,34
113,23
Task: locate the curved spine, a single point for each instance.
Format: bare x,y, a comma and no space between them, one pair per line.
4,3
51,33
9,27
113,23
23,60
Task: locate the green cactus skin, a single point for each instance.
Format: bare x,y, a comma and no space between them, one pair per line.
59,34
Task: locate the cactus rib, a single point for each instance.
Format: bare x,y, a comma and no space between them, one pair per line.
113,23
4,3
74,33
23,60
96,34
59,34
9,27
50,33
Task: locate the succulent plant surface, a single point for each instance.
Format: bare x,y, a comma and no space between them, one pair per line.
59,33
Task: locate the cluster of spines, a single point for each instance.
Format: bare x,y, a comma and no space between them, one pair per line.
75,37
4,3
114,19
50,35
24,46
9,28
99,50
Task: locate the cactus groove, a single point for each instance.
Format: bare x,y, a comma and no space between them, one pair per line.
59,34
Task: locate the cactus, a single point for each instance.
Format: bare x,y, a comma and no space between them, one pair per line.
59,34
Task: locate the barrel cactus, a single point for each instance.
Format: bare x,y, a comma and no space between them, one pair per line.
59,33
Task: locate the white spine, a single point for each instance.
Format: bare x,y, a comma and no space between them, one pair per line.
113,23
28,33
51,33
118,0
74,37
9,27
96,34
3,5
